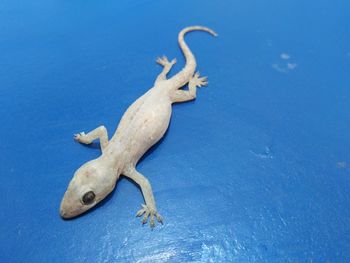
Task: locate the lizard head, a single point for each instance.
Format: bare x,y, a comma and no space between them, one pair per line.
90,184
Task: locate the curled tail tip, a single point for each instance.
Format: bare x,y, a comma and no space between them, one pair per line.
201,28
214,33
207,29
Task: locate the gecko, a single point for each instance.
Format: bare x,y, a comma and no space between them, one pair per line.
142,125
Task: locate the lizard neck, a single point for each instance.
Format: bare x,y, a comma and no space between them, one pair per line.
114,157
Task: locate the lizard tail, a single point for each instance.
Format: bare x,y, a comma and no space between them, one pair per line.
186,73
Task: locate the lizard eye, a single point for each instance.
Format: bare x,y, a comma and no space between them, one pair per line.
88,198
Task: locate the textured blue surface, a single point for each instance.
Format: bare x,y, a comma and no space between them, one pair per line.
255,170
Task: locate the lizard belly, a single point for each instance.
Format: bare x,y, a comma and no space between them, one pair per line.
150,129
149,122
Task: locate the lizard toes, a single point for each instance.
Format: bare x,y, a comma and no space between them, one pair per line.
140,212
159,218
151,222
78,136
152,214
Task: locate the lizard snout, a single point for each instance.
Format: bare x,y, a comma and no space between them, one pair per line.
65,210
63,213
69,208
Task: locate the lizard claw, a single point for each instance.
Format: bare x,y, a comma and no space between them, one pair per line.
149,213
197,81
165,62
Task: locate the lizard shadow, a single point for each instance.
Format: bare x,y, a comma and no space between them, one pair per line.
155,146
94,145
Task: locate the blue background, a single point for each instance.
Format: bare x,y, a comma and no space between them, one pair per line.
257,169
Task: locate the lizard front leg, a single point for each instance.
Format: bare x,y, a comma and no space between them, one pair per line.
167,67
98,133
149,210
191,93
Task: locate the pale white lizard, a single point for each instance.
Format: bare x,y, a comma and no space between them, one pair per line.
141,126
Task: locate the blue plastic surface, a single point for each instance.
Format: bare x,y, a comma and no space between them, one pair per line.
255,170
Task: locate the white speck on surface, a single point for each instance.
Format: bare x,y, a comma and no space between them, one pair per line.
285,56
267,154
291,66
279,68
284,68
342,165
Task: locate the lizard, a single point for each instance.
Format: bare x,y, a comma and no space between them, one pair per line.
142,125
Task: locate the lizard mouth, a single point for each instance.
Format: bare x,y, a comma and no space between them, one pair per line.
68,212
64,214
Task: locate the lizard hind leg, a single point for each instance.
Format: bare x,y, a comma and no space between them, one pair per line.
191,93
163,61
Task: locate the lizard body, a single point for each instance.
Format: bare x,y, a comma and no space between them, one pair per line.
141,126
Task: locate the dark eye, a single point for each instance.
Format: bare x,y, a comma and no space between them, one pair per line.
88,198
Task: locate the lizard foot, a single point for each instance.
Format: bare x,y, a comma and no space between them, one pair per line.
165,62
149,213
80,137
197,81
